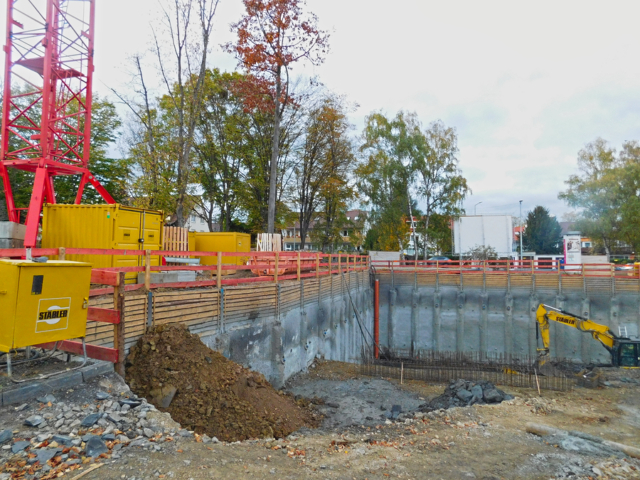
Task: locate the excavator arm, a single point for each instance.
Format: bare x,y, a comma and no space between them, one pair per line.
546,313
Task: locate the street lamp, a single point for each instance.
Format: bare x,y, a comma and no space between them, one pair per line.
521,231
474,207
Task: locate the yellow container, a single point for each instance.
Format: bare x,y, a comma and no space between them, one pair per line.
223,242
42,302
103,227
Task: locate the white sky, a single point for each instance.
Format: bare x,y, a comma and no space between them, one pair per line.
526,84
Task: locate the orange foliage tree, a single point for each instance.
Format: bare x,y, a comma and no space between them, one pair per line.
273,35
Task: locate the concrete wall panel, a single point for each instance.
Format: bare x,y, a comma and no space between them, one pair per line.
499,320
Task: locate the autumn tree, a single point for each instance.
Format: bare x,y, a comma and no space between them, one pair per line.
256,132
325,156
272,36
180,46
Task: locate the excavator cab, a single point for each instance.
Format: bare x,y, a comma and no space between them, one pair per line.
627,354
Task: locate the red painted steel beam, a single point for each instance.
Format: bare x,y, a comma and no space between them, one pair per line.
103,277
49,44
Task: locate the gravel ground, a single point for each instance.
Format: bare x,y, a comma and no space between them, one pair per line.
481,441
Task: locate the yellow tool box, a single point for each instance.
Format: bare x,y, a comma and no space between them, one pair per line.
42,302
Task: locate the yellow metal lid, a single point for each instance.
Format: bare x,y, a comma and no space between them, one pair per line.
30,263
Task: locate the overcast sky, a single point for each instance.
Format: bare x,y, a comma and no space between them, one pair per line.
526,84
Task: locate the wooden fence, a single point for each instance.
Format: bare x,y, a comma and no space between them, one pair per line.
591,279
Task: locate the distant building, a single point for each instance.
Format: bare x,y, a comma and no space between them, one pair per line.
197,224
495,231
194,223
352,234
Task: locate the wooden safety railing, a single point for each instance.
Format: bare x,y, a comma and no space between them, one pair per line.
112,281
505,267
316,265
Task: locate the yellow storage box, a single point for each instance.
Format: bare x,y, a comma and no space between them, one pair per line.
103,227
223,242
42,302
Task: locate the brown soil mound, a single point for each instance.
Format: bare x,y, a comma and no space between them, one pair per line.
212,395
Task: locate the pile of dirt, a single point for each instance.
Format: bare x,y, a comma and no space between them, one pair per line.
462,393
207,393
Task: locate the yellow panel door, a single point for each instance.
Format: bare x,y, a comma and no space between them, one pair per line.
9,274
127,234
153,234
52,304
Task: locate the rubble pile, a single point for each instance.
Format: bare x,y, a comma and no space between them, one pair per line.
207,393
58,436
463,393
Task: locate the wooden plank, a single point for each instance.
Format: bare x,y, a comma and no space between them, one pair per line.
104,277
105,315
93,351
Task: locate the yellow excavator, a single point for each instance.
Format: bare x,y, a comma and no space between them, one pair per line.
624,351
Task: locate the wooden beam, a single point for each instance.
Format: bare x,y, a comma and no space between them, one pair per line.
104,277
93,351
105,315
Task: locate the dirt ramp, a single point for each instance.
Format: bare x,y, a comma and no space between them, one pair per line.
206,392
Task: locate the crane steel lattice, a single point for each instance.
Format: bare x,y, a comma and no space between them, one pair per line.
46,109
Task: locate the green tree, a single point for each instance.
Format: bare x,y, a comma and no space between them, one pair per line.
440,183
386,174
481,252
597,193
219,150
439,234
542,233
113,173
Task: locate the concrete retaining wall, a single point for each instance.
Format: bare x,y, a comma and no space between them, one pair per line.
276,329
316,321
496,314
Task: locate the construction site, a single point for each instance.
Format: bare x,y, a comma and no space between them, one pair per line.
133,349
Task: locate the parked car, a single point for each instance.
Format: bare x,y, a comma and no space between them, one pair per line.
438,260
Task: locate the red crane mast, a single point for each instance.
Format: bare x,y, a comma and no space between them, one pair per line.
46,105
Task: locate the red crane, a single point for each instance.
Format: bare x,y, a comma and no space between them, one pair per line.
46,107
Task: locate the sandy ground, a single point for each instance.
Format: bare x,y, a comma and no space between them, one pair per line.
357,441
